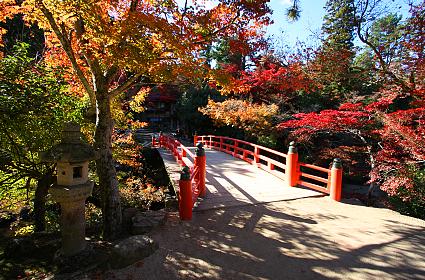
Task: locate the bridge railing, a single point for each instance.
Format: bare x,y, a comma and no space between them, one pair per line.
192,179
286,166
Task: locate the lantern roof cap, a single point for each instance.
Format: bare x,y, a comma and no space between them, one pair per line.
71,149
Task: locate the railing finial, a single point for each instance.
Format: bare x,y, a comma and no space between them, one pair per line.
292,148
337,163
200,151
185,173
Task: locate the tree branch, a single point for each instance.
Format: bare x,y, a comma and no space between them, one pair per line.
219,30
66,45
364,38
125,86
133,5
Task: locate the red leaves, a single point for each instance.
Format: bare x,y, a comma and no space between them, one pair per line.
380,105
351,106
404,132
332,120
268,80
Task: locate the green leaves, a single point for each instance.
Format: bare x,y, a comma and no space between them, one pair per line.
33,107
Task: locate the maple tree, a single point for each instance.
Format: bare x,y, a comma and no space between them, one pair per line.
109,46
389,123
271,81
394,140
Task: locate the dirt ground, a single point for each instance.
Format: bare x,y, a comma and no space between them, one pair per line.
310,238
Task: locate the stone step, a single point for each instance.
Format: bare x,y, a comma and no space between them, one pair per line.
144,222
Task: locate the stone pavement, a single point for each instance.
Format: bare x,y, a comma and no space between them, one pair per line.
309,238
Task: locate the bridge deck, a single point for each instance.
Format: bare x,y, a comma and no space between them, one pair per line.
233,182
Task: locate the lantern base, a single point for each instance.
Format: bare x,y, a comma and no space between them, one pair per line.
73,223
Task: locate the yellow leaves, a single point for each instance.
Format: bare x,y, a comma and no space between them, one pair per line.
241,114
136,104
138,124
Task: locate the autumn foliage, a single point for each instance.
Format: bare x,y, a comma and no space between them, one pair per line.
252,118
384,122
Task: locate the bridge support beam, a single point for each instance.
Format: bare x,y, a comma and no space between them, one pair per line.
336,180
292,168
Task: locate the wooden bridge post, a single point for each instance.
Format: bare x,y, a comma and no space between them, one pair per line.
185,195
256,156
195,139
291,172
201,163
160,139
153,141
336,180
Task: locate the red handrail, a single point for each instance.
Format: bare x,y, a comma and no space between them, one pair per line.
191,185
286,166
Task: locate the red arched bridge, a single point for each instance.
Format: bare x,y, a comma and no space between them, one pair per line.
231,172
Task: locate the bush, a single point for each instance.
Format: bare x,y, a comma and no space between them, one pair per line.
409,199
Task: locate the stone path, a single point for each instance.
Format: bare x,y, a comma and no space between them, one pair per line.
309,238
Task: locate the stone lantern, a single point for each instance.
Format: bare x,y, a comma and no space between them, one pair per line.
72,158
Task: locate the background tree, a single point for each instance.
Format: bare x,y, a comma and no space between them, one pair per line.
334,59
390,122
188,114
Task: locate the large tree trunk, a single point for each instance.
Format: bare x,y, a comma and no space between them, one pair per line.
41,192
111,205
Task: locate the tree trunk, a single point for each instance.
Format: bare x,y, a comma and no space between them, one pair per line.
41,192
372,185
111,204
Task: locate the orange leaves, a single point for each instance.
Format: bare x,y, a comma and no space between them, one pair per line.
8,9
126,150
155,39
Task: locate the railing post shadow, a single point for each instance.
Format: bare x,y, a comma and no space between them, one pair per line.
201,163
185,195
336,180
292,168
